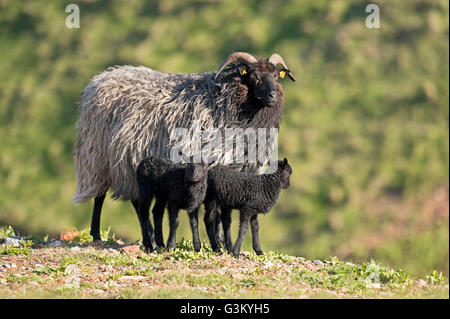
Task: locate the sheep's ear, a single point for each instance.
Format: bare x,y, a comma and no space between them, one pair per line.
285,162
243,70
283,72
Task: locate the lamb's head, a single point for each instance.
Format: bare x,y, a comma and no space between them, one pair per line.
259,75
195,179
285,171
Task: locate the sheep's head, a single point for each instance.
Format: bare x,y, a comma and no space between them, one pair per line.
195,179
195,173
285,169
259,75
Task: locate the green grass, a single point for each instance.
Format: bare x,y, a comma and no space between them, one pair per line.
107,272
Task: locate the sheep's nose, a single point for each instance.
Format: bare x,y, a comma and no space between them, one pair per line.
272,95
271,98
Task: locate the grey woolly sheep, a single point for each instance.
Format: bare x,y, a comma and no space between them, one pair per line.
128,113
252,194
180,186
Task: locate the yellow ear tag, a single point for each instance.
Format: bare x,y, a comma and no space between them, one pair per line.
244,72
282,74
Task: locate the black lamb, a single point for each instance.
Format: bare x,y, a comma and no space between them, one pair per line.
179,186
252,194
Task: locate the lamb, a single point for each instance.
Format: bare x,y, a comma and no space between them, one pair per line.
180,186
252,194
128,113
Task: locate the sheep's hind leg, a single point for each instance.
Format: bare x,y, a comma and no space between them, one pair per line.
158,214
148,237
209,219
96,212
173,221
226,222
243,229
193,218
149,227
219,231
255,237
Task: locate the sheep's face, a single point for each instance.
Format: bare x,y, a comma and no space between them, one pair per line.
261,79
195,173
286,171
195,179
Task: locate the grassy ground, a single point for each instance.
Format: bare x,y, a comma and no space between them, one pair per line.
42,268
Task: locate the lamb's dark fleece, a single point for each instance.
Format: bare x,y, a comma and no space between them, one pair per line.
179,186
252,194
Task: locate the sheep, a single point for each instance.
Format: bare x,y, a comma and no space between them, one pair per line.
128,113
180,186
252,194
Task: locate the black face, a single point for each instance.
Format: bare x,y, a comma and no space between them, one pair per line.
286,172
195,173
261,79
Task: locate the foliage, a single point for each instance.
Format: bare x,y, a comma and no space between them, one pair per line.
108,272
365,127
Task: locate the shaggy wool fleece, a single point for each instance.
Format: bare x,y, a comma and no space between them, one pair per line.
127,113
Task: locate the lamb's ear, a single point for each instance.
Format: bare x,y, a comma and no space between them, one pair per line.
285,162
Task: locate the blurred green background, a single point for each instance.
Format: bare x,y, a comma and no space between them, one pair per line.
365,127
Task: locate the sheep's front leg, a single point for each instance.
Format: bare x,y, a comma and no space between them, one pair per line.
226,222
173,221
255,237
243,228
193,218
158,214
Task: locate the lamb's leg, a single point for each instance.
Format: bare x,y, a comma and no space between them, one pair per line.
146,227
173,221
226,222
244,217
255,237
193,218
209,219
219,230
136,205
95,221
158,214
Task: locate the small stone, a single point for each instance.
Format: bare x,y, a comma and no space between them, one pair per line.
421,283
75,248
13,265
68,236
131,249
56,243
375,285
13,241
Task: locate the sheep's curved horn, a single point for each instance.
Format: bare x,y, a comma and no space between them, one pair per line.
277,59
243,57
